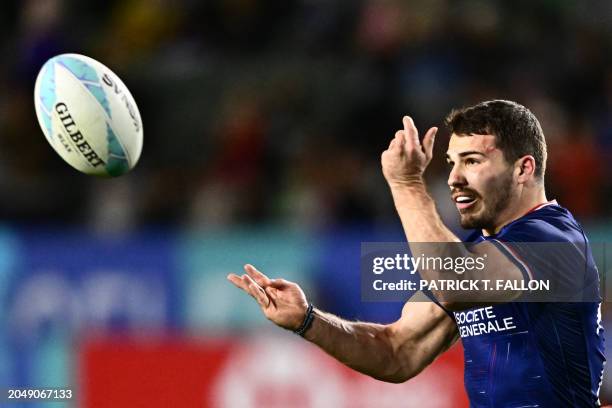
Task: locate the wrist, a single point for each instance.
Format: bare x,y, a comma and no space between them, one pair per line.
306,322
412,183
412,197
413,190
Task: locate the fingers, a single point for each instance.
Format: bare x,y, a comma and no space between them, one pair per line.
278,283
237,281
400,138
261,279
428,142
247,284
411,133
272,293
397,141
256,291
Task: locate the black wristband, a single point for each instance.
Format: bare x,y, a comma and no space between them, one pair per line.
307,321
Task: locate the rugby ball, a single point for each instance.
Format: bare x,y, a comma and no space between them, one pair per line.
88,115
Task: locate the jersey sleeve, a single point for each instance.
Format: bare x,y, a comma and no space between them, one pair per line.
431,297
551,253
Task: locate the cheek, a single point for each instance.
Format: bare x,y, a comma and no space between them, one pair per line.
478,176
482,179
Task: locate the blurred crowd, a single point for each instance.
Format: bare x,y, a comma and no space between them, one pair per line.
258,111
275,113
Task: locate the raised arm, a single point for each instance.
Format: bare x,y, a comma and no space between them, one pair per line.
403,165
393,352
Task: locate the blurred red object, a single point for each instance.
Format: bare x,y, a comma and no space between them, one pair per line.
263,371
160,373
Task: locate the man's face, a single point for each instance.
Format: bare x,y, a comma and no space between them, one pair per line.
480,179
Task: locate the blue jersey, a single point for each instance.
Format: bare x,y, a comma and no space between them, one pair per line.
547,354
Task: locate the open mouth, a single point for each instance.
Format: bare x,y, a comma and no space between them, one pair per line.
464,201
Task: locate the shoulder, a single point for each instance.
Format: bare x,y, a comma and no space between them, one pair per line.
551,223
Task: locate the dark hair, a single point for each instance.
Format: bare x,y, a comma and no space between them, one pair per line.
517,131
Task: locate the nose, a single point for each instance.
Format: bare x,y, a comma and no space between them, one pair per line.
456,178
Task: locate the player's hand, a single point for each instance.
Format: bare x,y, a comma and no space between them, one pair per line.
406,159
281,301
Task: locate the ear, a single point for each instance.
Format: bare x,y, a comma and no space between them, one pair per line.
525,168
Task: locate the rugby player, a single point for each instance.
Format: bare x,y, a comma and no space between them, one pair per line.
552,354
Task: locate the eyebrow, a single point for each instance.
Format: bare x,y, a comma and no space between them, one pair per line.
469,152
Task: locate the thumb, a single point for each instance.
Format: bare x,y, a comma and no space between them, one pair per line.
271,292
428,142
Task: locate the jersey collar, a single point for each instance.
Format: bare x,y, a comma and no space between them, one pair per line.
539,206
536,208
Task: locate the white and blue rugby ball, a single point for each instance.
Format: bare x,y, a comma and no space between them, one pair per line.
88,115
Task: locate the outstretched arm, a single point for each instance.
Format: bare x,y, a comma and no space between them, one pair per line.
393,352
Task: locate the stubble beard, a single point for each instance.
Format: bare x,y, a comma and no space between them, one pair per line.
498,199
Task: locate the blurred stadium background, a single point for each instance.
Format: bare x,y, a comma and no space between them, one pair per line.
264,123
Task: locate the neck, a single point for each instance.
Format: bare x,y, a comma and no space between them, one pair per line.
525,202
